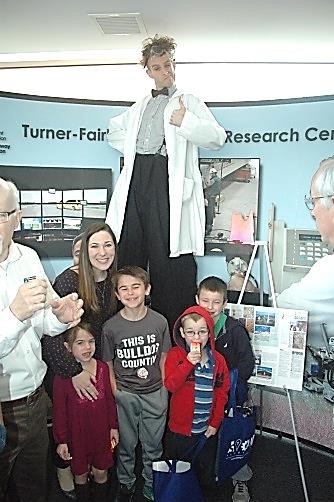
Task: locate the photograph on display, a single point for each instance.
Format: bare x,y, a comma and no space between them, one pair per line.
57,204
31,203
231,190
30,224
95,203
278,338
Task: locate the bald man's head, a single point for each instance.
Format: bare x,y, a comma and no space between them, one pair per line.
322,195
10,215
8,193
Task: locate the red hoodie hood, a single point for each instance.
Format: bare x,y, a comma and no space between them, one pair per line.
196,309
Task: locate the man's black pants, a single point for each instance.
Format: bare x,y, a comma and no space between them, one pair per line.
145,238
23,461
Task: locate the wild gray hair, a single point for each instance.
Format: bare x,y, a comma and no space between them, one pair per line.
323,181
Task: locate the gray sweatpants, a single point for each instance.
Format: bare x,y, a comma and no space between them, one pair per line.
141,417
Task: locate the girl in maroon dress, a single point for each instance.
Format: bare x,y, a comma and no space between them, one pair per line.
85,430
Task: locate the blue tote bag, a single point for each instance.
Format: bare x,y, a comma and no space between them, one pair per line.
176,481
235,436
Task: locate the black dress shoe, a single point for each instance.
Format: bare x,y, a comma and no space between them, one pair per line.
69,495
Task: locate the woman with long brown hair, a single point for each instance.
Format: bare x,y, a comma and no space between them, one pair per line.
92,277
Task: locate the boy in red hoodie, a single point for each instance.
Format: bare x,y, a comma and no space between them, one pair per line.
198,379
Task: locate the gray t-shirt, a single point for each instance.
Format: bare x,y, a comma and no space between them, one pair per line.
135,348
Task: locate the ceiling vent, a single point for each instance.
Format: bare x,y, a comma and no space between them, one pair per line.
120,24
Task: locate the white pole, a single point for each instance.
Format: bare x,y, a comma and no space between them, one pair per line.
301,470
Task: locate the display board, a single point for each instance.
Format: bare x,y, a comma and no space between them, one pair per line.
57,204
290,137
278,338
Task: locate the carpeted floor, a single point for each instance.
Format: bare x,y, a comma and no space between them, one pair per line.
276,475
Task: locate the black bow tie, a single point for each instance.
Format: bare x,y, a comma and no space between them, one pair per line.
156,92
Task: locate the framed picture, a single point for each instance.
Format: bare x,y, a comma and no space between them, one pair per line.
231,189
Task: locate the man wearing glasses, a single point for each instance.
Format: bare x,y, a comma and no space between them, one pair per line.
29,308
315,292
157,209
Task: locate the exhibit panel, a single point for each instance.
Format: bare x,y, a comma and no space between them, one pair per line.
287,139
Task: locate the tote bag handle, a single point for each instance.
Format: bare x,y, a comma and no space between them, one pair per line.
194,448
232,401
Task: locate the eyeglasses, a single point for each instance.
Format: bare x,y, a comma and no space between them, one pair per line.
310,201
201,332
156,50
4,215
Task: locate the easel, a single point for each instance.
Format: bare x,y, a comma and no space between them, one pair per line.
263,246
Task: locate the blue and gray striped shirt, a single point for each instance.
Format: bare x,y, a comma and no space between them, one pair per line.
203,395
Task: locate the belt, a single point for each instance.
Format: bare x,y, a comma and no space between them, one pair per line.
30,399
151,154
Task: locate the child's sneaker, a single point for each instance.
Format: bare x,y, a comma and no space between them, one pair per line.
148,492
125,493
240,493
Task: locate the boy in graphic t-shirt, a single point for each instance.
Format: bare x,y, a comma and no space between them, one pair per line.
135,343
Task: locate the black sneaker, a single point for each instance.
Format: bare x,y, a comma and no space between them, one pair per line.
125,493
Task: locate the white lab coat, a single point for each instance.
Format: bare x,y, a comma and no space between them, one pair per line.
198,128
315,293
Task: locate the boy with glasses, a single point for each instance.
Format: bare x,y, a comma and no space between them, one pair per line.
232,341
198,379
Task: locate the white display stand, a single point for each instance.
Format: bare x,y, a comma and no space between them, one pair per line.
278,335
263,246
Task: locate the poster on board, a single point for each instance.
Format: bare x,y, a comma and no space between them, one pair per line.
278,338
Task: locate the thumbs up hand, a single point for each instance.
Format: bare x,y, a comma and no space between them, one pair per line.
178,114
